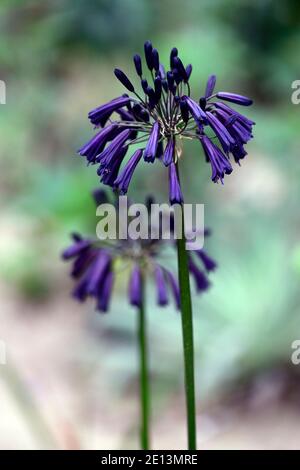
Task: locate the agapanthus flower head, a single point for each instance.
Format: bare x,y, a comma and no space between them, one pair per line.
160,114
96,264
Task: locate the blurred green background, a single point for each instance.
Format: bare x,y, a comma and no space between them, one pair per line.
71,376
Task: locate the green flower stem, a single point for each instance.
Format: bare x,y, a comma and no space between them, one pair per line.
188,341
144,377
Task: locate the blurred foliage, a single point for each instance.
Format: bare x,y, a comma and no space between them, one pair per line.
57,59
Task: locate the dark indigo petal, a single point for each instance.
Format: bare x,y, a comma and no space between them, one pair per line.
175,193
208,262
196,111
99,116
82,262
144,84
124,79
97,272
138,64
221,132
105,292
108,154
201,281
96,145
109,172
171,82
100,196
188,71
152,97
180,67
210,86
177,76
234,98
184,110
151,147
148,54
220,164
155,59
125,115
173,54
161,286
169,152
124,178
75,249
135,287
227,108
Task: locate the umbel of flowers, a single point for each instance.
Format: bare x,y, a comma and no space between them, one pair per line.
158,117
95,265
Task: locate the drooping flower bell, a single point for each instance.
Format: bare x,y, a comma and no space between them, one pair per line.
157,118
95,264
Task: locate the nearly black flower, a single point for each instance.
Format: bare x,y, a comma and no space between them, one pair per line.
95,265
159,117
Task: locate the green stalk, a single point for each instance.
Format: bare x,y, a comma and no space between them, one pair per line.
144,377
187,335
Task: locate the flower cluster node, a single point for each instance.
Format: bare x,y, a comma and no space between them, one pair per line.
95,265
163,112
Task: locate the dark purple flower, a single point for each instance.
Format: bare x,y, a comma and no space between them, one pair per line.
181,69
238,153
220,164
123,180
148,48
76,249
208,262
184,109
144,84
174,186
234,98
162,71
155,59
188,70
177,76
210,86
96,145
201,281
104,293
239,130
152,97
226,140
97,272
100,115
124,80
82,261
108,172
138,64
135,286
151,147
173,54
95,275
171,82
125,115
231,111
169,152
196,111
100,196
161,287
93,266
114,147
